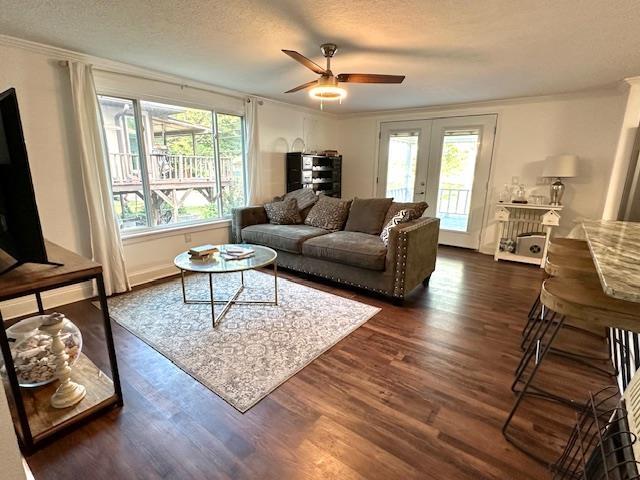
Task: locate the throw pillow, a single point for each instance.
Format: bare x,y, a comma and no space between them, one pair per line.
417,209
283,213
401,217
305,197
367,215
328,213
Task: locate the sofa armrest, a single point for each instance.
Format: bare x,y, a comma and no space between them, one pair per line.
412,251
245,216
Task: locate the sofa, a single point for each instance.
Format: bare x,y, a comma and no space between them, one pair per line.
348,257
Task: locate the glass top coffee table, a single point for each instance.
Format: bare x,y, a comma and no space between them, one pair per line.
262,257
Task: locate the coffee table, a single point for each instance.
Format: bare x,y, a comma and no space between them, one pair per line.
262,257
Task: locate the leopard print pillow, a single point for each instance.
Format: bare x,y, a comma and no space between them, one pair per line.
328,213
283,213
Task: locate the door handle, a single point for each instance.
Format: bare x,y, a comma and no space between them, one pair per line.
421,193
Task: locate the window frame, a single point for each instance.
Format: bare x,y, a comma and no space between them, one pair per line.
149,229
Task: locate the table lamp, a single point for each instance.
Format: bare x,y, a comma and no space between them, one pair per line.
559,167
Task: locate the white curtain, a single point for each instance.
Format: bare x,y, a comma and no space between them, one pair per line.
254,166
106,244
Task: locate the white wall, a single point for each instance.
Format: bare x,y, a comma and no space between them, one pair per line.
47,115
10,458
282,128
528,131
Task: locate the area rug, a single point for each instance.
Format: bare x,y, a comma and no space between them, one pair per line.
255,348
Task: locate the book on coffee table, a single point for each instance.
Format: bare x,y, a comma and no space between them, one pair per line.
237,253
202,251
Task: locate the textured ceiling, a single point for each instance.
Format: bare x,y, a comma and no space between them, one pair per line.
451,51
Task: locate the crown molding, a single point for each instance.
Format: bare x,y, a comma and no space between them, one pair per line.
114,66
633,80
604,90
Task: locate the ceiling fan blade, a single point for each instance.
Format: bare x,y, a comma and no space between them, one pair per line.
302,87
369,78
314,67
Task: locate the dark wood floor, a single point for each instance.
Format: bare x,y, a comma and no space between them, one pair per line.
419,391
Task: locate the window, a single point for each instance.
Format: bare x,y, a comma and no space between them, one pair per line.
402,162
171,164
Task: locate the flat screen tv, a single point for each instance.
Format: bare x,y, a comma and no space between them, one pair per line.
20,230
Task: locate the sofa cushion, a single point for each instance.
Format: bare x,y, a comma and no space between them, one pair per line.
366,215
305,197
328,213
417,208
281,237
284,212
351,248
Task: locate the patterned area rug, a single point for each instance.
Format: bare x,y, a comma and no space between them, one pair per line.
255,348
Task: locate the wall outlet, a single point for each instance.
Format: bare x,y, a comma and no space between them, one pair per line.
187,237
515,180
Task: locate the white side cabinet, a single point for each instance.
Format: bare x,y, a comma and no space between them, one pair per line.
515,219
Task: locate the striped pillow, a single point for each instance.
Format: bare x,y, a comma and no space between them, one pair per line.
401,217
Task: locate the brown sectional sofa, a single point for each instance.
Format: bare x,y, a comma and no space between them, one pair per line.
352,258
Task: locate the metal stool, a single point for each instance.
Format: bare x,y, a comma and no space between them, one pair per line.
569,246
585,302
563,266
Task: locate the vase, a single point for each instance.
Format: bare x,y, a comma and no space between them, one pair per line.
31,350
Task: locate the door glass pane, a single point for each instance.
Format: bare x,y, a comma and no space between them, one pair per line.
401,166
458,163
231,148
124,161
180,162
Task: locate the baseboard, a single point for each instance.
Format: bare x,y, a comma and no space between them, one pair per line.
75,293
55,298
151,273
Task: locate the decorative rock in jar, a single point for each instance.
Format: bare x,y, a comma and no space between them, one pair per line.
31,350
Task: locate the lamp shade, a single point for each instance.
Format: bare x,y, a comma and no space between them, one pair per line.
561,166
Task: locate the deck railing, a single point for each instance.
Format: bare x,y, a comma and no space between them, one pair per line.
401,194
166,169
453,201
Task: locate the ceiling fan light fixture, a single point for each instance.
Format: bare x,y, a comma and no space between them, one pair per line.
328,93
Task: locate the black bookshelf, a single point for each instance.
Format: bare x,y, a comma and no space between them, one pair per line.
322,173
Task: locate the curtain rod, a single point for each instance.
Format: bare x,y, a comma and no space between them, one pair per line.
65,63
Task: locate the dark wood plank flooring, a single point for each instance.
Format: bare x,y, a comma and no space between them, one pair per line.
420,391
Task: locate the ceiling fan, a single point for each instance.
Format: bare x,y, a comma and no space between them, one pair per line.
327,87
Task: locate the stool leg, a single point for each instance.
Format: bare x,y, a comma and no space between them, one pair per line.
539,358
531,323
533,348
536,325
581,358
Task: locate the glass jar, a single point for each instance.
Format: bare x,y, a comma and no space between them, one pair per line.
519,194
505,194
31,350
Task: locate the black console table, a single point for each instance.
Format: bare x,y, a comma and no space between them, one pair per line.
34,419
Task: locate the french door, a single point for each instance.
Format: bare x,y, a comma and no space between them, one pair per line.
444,162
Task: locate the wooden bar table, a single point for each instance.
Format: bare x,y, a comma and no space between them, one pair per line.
615,248
35,420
